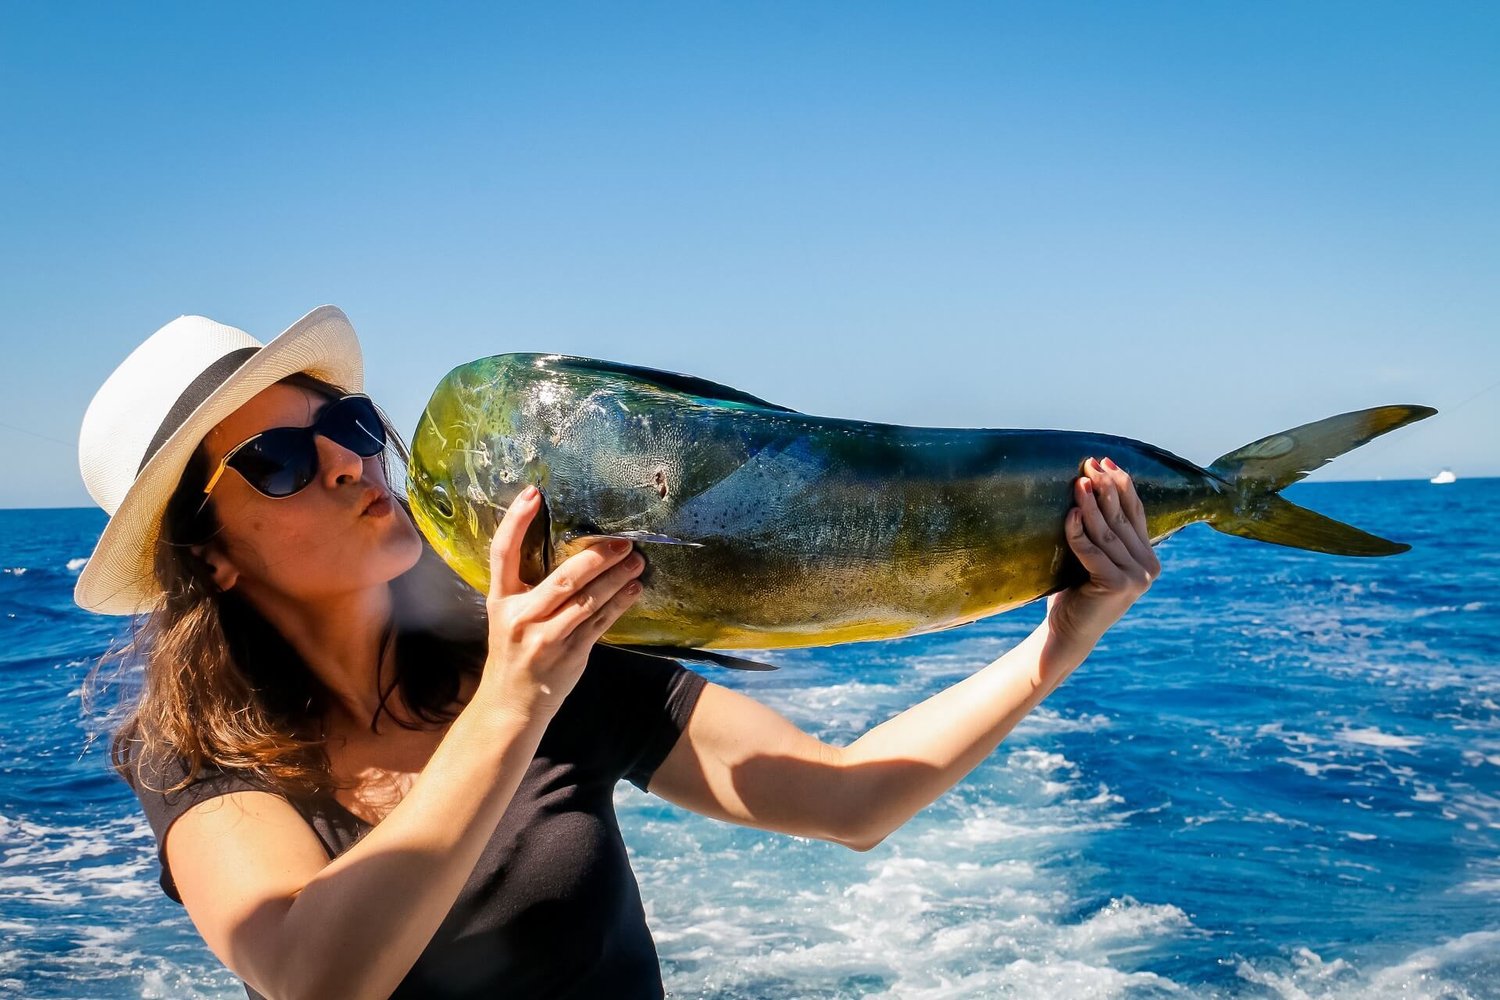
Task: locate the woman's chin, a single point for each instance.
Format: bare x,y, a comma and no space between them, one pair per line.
406,545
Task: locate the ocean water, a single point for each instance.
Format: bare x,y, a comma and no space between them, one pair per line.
1279,776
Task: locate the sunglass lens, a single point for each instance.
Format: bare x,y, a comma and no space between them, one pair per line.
279,462
354,423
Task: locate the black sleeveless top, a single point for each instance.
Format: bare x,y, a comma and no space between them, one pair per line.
552,909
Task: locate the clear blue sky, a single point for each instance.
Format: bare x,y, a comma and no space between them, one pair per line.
1190,223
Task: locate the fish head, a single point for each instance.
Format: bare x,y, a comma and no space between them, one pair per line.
458,492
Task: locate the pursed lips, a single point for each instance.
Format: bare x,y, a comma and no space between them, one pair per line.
374,499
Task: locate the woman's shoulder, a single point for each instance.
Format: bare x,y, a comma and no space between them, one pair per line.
169,785
621,678
626,712
169,778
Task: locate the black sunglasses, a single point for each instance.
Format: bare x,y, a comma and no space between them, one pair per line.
281,461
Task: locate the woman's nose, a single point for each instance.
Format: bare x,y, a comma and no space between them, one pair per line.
337,464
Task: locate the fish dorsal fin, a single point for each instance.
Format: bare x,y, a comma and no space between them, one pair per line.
702,388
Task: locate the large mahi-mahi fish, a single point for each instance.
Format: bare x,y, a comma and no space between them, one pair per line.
764,527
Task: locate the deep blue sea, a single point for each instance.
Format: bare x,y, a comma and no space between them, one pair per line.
1279,776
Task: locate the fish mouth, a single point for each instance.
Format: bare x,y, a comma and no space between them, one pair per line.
536,546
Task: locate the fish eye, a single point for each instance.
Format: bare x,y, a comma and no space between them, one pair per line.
440,501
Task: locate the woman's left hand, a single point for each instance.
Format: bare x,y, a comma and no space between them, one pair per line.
1107,531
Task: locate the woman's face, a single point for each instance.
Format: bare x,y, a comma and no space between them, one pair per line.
320,543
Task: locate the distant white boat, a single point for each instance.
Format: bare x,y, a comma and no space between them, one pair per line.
1446,476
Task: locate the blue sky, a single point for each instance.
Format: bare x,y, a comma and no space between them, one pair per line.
1193,224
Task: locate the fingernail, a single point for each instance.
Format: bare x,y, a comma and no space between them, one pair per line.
633,587
528,493
619,544
1088,486
1109,463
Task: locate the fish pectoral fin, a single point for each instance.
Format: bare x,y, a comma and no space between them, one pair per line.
634,536
700,656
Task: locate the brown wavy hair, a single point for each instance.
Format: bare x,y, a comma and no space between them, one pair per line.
223,690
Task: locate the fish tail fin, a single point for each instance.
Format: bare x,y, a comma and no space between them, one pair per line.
1256,472
1282,522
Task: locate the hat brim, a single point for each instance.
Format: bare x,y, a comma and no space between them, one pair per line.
119,578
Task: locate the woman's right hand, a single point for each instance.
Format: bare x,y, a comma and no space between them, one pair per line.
540,636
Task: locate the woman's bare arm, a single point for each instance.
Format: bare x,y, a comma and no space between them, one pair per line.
262,892
291,923
739,760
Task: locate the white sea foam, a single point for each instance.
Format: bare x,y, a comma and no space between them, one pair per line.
1291,738
1275,819
53,875
920,927
1446,608
34,852
1040,761
1313,769
968,899
1125,925
1376,738
1046,721
961,902
1475,758
74,565
1438,972
36,889
1477,809
1025,978
14,570
853,706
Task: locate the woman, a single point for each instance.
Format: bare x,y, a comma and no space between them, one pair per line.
365,783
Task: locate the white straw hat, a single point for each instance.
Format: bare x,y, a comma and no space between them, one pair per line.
149,416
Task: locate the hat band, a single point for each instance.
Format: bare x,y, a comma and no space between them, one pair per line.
197,391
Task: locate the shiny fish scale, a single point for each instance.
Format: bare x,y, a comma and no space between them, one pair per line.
807,530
